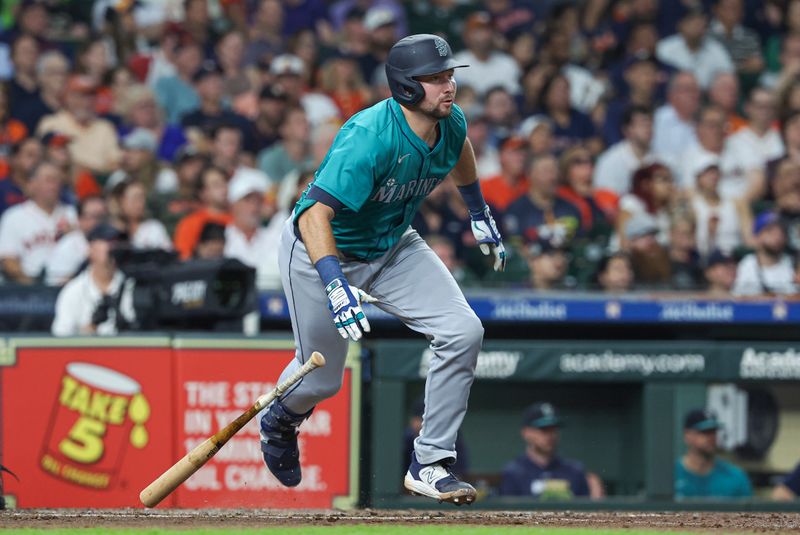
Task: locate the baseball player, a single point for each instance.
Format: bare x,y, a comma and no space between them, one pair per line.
349,241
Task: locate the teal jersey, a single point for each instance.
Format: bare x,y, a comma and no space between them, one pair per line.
724,481
380,171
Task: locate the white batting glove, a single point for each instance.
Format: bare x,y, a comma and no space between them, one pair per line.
344,301
488,237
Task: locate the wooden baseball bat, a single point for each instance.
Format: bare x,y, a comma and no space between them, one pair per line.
195,459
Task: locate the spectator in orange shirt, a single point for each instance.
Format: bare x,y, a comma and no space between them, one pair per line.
512,183
213,193
12,131
724,92
341,80
79,181
577,168
95,144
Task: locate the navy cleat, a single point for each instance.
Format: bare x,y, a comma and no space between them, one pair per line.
438,482
279,429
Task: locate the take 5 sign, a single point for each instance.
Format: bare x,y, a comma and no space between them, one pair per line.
91,422
81,425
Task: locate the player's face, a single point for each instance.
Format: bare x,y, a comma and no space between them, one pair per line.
542,440
440,94
703,442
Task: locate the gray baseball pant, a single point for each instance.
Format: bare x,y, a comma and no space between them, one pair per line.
410,283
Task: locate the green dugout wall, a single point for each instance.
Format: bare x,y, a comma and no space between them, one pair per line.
623,402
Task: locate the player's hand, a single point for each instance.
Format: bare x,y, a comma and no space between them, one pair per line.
344,301
488,237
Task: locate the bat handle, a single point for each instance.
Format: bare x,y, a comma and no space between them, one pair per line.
316,361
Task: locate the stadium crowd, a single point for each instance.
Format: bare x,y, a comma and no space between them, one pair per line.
622,144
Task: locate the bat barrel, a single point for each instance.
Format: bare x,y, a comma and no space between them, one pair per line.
177,474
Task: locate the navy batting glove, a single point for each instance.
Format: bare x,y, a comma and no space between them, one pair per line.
488,237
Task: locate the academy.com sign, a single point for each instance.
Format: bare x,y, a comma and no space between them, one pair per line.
770,364
491,364
641,364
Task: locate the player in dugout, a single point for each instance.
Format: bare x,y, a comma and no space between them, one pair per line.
540,472
699,473
349,240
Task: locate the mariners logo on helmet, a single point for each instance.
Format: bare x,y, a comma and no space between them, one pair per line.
417,55
441,46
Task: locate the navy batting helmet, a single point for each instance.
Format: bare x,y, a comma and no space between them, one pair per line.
416,55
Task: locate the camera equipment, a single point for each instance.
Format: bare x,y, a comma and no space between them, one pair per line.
100,314
197,294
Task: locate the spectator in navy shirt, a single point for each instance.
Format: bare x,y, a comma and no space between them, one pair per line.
209,85
539,471
542,214
571,127
25,156
789,488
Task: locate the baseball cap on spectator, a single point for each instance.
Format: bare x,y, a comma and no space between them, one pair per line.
765,220
246,181
106,232
26,4
55,139
79,83
719,257
480,19
208,68
693,10
377,17
541,415
703,163
355,13
273,92
211,232
527,127
140,139
547,246
187,152
639,57
640,226
701,420
287,64
513,143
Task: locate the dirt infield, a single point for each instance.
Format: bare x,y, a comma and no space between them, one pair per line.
249,518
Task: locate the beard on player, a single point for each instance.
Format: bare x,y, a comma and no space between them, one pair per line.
441,109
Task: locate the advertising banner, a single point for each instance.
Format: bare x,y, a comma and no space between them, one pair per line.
90,422
213,388
80,423
605,360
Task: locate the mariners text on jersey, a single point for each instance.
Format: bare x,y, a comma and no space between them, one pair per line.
376,174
